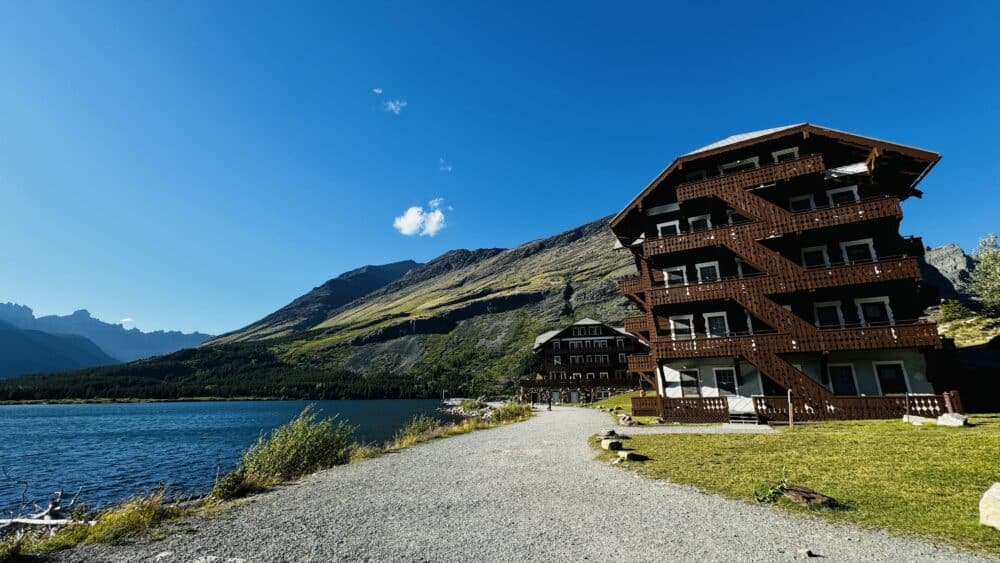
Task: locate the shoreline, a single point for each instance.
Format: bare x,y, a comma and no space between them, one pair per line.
105,401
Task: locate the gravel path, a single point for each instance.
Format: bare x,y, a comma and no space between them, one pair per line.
526,492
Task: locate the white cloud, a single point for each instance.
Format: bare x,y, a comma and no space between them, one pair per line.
126,320
416,220
444,165
394,106
378,91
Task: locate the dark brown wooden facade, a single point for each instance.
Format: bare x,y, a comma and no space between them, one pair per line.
582,362
774,250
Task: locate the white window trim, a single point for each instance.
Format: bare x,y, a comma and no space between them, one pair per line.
736,381
730,213
707,218
725,319
659,227
556,346
826,255
902,367
690,320
577,375
810,197
739,267
603,375
749,323
830,193
737,163
868,241
783,152
697,379
837,304
718,271
854,374
622,357
666,275
882,299
557,360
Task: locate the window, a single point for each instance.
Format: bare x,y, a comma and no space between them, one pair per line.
668,228
707,272
604,375
602,359
689,383
829,314
725,381
682,327
891,378
815,257
590,375
554,375
716,325
842,380
602,343
749,322
562,375
576,359
595,331
730,213
802,203
557,360
619,374
675,276
700,223
578,331
874,311
857,251
739,268
622,358
620,342
695,175
577,375
590,359
785,154
556,345
840,196
739,165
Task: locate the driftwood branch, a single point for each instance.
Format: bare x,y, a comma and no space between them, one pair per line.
55,514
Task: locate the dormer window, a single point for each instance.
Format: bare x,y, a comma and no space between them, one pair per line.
669,228
700,223
802,203
739,165
841,196
785,155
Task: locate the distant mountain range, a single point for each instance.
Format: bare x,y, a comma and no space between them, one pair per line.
462,322
32,351
80,336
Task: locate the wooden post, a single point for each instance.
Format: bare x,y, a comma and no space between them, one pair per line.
791,410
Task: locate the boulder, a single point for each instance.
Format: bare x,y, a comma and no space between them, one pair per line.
609,444
608,434
803,495
918,420
628,455
989,507
952,419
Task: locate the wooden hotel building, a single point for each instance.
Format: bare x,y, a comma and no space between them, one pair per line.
772,261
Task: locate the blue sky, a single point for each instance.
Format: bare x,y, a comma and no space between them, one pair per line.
196,165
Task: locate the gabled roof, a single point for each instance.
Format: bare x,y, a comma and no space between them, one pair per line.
549,335
734,142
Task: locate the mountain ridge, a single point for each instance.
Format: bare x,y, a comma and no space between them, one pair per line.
24,351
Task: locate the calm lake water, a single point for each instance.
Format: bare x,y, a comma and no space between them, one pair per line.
116,450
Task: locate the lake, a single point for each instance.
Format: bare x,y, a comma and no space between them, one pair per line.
117,450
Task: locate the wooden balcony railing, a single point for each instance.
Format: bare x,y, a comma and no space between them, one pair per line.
900,335
767,174
559,383
630,285
779,222
636,324
688,409
849,407
797,279
641,363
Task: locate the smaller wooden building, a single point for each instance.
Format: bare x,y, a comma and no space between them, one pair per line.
581,363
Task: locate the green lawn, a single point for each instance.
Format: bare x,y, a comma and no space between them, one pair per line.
924,481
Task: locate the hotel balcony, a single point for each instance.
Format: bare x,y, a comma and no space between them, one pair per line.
636,324
641,363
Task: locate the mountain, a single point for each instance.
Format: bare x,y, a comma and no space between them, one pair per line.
948,269
31,351
317,305
115,340
463,322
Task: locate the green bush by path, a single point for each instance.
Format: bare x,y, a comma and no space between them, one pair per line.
919,480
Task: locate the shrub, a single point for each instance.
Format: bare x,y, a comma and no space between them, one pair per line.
953,311
471,405
362,452
10,547
510,412
299,447
417,430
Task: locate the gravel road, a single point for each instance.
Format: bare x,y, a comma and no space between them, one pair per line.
526,492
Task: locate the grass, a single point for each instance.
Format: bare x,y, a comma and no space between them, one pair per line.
125,521
624,403
423,429
924,481
299,447
971,331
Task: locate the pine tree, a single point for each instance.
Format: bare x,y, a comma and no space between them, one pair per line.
986,277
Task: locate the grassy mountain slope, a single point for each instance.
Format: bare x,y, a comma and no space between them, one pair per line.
31,351
463,323
318,304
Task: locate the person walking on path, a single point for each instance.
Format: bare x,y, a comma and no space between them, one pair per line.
550,401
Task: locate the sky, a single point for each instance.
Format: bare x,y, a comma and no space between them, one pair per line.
197,165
